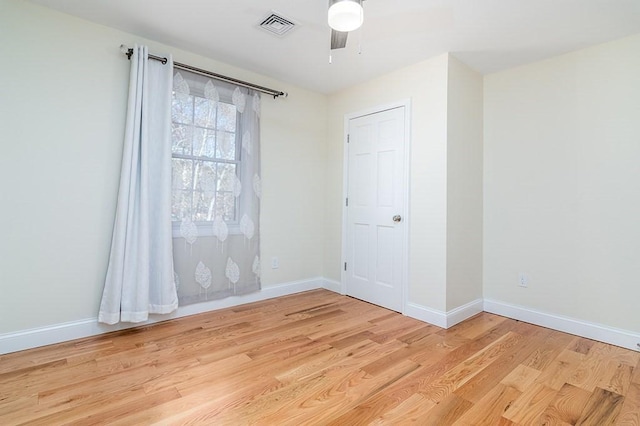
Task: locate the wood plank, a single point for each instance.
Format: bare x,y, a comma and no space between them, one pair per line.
619,381
461,374
561,369
446,412
437,346
599,366
203,403
399,327
521,377
618,354
635,377
411,410
531,404
581,345
491,376
567,406
602,408
554,343
481,323
338,396
489,410
630,411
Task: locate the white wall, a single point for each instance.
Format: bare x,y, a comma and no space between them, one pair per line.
562,185
63,92
464,184
426,85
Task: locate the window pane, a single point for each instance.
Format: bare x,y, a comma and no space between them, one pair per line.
205,113
226,174
181,174
204,142
205,177
226,117
226,206
204,204
180,205
226,148
182,111
181,137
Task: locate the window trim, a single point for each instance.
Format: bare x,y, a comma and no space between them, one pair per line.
205,229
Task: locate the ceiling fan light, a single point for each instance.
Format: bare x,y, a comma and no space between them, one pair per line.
345,15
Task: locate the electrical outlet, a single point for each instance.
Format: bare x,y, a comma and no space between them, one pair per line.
523,280
275,263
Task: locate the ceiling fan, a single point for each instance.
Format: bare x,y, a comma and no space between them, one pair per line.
344,16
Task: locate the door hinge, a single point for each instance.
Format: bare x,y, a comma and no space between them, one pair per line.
345,266
346,202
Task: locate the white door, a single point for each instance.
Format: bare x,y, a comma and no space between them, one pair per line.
375,208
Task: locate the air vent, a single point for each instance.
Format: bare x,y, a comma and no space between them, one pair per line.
277,24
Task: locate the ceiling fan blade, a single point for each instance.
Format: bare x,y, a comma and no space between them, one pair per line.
338,39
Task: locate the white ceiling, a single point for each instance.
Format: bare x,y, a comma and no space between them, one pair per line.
488,35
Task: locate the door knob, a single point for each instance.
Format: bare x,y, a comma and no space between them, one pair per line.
397,218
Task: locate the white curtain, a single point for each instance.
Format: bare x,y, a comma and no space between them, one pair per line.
216,188
140,278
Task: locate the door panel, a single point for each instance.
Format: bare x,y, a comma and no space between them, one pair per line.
376,194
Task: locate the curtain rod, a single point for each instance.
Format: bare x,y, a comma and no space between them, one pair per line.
275,93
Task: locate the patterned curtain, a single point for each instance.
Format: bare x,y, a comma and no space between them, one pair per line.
216,188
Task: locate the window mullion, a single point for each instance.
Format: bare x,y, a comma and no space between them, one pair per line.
209,159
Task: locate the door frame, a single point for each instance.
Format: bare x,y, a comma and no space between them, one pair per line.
404,275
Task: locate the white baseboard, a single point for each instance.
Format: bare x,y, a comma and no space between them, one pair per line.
623,338
464,312
441,318
42,336
422,313
332,285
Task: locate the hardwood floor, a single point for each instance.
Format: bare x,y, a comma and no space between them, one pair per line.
321,358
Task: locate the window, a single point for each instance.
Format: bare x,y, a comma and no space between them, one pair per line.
206,156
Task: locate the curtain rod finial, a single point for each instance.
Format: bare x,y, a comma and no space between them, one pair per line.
126,50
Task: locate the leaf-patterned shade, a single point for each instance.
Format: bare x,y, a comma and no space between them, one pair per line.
247,226
237,187
203,275
188,230
239,100
232,272
255,267
220,229
210,92
180,87
216,181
